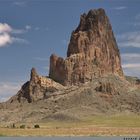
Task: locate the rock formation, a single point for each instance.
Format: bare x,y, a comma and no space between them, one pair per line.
106,87
92,58
92,52
37,88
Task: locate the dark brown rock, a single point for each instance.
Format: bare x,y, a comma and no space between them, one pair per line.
92,52
34,76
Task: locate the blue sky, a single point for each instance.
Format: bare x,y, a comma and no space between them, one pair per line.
31,30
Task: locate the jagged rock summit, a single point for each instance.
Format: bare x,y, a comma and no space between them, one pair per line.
92,52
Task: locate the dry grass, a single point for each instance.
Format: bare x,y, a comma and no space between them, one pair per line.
91,131
94,126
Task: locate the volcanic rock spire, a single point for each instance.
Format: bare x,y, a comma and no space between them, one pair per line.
92,52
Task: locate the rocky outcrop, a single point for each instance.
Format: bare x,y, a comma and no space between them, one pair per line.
107,88
92,52
37,88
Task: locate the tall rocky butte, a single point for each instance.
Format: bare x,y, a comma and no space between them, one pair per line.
92,52
93,56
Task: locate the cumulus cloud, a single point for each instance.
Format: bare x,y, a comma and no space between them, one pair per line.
132,69
131,64
129,39
22,31
7,90
6,35
135,65
5,39
5,28
19,40
119,8
18,31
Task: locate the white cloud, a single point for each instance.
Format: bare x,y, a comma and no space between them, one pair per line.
5,39
5,28
28,27
6,35
131,65
19,40
8,89
119,8
129,39
132,69
21,31
18,31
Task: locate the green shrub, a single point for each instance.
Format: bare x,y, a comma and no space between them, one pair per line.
13,126
22,126
36,126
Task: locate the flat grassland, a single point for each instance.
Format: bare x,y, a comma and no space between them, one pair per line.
117,125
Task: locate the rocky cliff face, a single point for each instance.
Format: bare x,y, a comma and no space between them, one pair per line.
37,88
92,52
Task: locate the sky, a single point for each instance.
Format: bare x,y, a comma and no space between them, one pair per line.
31,30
